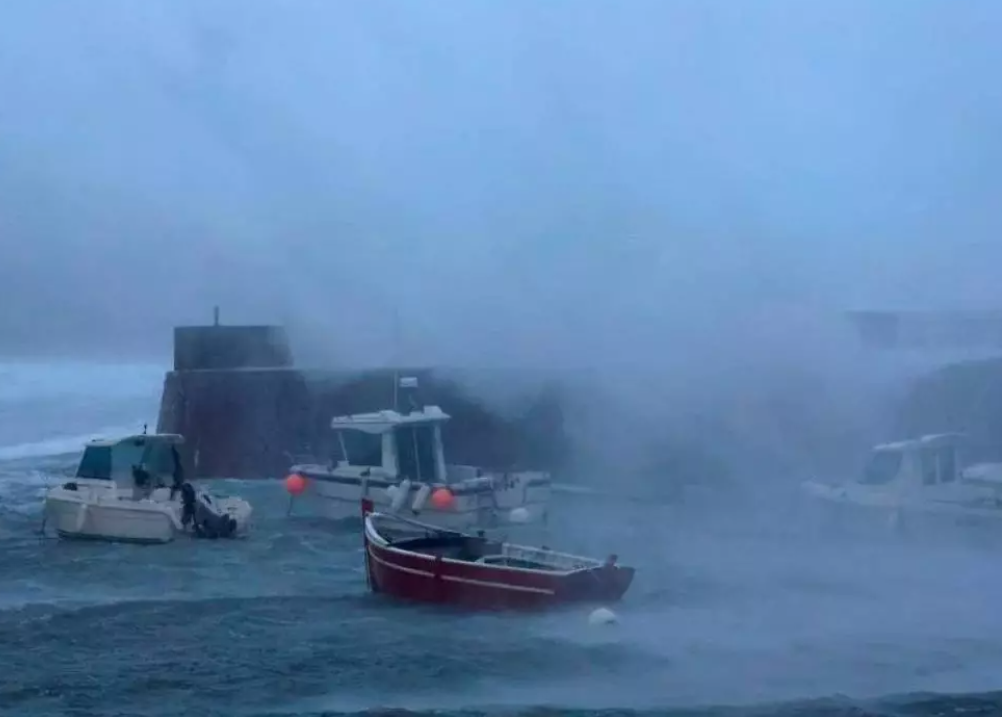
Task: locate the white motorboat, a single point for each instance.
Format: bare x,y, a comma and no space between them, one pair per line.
919,480
397,461
133,490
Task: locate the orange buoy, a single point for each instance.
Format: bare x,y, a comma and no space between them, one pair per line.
295,484
442,498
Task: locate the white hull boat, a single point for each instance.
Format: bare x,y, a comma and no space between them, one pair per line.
131,490
487,501
919,484
397,461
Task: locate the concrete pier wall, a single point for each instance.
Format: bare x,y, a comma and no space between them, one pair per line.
247,413
963,397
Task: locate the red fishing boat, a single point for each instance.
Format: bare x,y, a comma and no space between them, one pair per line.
414,561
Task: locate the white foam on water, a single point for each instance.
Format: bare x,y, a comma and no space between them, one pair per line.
61,445
53,408
23,487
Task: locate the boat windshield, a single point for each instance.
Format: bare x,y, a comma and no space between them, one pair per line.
881,468
416,452
948,464
161,458
939,465
106,462
95,463
360,449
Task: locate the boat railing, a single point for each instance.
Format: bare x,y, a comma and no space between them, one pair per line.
302,459
561,561
458,473
387,520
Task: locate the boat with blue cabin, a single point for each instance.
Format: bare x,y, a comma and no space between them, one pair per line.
133,490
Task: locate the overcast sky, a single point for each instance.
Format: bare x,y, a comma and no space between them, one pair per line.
530,178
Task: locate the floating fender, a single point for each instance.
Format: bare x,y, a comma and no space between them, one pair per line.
403,493
421,499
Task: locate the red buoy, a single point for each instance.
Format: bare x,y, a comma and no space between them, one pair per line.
295,484
442,498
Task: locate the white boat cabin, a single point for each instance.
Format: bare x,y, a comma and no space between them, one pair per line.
393,446
927,476
118,460
915,464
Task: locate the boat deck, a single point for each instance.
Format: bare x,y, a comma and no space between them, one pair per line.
472,550
454,547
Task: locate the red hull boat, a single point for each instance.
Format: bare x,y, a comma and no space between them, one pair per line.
413,561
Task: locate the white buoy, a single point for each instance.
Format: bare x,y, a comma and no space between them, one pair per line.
518,515
602,616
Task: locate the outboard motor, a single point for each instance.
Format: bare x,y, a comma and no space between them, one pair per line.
187,504
199,511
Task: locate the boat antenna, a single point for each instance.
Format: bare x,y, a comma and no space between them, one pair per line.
401,382
395,357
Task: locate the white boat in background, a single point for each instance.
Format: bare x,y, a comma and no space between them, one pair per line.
397,461
132,490
918,480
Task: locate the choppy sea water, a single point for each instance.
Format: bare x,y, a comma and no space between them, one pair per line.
734,610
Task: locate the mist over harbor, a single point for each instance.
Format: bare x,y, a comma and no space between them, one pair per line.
527,181
665,207
663,199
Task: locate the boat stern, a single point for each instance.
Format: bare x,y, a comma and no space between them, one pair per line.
529,491
606,583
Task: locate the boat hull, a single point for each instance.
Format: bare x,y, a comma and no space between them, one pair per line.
100,514
81,520
833,513
423,578
337,498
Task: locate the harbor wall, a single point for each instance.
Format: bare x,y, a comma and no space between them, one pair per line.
247,413
963,397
